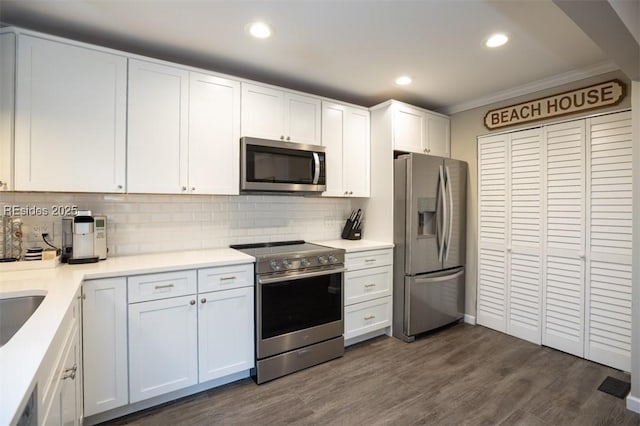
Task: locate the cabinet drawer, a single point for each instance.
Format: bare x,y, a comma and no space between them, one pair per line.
225,277
142,288
367,284
366,317
369,259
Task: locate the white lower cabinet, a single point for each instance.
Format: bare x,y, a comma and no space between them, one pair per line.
225,331
60,378
104,333
152,334
367,292
163,346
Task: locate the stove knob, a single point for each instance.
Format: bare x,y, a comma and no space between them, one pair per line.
323,260
275,265
332,259
304,262
287,264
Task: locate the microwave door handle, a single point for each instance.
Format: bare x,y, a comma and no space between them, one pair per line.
316,168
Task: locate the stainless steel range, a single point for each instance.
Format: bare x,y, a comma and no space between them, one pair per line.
299,300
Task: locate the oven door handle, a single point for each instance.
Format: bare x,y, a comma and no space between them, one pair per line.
272,280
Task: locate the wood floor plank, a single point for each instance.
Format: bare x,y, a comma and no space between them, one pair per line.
461,375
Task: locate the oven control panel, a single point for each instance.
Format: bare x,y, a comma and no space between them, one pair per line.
293,263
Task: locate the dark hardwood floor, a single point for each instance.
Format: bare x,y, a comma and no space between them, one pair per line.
462,375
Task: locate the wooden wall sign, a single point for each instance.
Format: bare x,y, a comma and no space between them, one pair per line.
587,98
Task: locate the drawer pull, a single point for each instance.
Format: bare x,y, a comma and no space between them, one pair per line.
160,287
369,260
370,317
69,373
233,277
369,285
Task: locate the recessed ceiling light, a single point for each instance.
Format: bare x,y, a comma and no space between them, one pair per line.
403,80
497,40
259,30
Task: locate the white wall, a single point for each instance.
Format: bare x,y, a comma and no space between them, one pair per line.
157,223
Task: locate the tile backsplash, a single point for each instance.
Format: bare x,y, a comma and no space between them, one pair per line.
138,224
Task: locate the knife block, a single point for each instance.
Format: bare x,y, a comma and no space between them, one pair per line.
349,232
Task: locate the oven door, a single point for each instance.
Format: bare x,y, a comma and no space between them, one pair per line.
281,166
296,311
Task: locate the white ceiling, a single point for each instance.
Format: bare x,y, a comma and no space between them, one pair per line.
345,49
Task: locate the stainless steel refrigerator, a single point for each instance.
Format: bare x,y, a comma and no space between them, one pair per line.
429,236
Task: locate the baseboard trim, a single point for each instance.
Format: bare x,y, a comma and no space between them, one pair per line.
469,319
633,403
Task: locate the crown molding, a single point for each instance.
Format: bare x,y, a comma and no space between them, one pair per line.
532,87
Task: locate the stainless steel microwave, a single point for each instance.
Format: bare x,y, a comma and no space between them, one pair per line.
277,166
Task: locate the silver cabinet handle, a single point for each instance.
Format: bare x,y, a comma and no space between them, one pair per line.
369,285
192,302
193,188
288,138
184,188
119,186
160,287
281,137
69,373
369,260
370,317
233,277
203,300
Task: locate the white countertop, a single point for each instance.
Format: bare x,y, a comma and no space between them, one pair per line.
20,358
351,246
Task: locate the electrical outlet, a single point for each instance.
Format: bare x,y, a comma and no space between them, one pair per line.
38,229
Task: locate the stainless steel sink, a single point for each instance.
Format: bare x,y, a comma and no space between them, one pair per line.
14,312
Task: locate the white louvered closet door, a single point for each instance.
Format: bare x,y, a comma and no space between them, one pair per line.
492,211
608,291
563,271
524,260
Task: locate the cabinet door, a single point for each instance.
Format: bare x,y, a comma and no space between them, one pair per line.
225,331
409,126
609,219
262,112
70,118
7,90
163,346
356,151
438,136
214,133
157,128
104,333
492,228
564,279
302,119
333,125
524,248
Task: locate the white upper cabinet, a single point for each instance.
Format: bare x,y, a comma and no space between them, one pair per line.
214,134
417,130
438,135
183,131
7,88
275,114
345,136
157,144
70,118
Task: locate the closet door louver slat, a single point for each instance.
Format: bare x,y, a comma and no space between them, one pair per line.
608,307
563,272
492,303
525,239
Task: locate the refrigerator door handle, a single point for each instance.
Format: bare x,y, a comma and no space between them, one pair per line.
439,279
450,196
444,215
